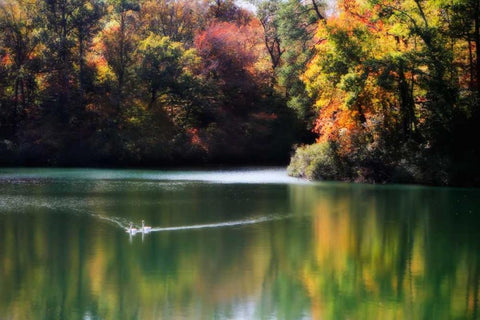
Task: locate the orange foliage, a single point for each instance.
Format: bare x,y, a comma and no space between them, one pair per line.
196,140
6,60
338,124
360,14
351,105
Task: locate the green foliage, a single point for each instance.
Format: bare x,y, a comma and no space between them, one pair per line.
315,162
295,25
162,64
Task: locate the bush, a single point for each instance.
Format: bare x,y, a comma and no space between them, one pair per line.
315,162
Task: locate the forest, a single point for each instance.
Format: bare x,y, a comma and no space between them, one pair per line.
356,90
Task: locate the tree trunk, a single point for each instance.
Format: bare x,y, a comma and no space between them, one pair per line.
317,10
121,71
81,63
477,43
407,112
470,63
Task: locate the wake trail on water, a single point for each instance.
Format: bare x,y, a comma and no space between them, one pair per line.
119,221
125,224
221,224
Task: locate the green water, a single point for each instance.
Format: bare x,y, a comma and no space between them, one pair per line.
251,244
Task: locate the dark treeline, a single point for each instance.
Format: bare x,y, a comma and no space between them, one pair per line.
389,89
142,82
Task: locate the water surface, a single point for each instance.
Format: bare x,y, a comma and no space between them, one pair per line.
246,244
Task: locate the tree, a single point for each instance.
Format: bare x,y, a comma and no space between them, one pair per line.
267,14
116,45
160,64
18,56
230,54
464,24
58,56
296,28
228,11
85,22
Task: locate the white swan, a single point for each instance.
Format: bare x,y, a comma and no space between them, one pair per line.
145,229
132,230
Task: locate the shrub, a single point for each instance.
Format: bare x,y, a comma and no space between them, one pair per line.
315,162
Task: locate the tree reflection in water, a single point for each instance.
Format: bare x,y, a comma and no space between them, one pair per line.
346,251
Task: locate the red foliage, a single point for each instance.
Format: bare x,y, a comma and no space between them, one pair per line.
354,11
6,60
265,116
196,140
230,53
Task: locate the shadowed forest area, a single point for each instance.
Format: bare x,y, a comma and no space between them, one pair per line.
376,90
139,83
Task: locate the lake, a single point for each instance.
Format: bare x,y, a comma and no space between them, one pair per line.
245,244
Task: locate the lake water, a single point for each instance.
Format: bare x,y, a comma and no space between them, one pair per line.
247,244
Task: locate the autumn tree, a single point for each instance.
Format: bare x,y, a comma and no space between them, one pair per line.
58,58
117,45
387,84
464,25
230,53
85,22
177,20
19,60
228,11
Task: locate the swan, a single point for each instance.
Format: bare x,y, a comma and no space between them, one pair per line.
132,230
145,229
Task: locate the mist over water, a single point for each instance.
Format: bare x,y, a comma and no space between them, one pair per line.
248,176
244,244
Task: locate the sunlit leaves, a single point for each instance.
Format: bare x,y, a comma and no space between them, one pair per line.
163,64
177,20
